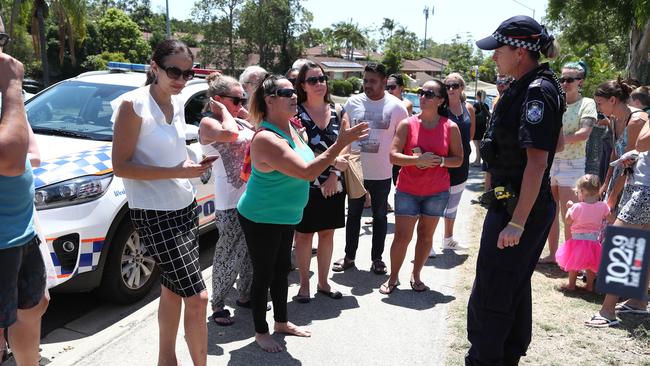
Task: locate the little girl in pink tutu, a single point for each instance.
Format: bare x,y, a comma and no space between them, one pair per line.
582,250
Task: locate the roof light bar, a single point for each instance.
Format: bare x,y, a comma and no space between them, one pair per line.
127,66
204,72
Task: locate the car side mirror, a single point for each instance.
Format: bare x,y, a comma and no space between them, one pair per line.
191,134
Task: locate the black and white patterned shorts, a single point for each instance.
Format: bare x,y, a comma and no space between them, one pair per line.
635,205
172,240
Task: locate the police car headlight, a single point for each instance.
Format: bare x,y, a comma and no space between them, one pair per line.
71,192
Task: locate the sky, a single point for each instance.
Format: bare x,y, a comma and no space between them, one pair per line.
472,19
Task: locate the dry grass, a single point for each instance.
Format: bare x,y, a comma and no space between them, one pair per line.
559,334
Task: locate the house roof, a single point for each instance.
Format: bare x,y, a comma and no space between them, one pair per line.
335,64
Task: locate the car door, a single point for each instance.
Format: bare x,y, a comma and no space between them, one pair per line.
205,190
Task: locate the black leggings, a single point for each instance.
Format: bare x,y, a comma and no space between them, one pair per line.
269,246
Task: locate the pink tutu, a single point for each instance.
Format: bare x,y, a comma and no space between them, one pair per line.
576,255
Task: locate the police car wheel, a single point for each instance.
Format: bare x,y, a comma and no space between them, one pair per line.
129,273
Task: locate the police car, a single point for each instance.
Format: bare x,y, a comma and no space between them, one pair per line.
81,205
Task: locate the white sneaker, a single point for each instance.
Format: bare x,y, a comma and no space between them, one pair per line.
432,253
450,243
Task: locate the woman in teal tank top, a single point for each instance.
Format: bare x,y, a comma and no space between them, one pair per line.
276,194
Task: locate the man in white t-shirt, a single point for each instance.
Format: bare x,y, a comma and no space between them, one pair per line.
383,112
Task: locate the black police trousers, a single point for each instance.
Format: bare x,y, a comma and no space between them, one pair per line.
499,313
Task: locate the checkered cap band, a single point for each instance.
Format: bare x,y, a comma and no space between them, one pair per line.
516,42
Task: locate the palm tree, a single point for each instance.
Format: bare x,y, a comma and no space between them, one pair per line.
389,26
39,13
351,35
71,21
12,21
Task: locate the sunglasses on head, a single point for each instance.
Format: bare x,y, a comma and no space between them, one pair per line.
283,93
235,100
568,80
175,73
452,86
4,39
428,94
391,87
313,80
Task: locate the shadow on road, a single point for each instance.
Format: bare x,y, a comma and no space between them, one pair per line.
362,282
252,354
448,259
407,298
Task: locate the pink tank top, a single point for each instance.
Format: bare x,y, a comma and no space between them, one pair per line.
425,182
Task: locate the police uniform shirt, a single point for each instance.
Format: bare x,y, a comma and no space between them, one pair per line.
537,112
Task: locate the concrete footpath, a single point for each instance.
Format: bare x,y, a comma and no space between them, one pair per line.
363,328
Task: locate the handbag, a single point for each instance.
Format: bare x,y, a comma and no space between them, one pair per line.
354,177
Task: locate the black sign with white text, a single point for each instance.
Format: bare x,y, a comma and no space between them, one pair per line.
624,264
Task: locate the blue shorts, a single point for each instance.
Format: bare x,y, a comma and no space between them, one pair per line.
407,204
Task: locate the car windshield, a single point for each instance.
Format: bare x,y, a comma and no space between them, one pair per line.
75,109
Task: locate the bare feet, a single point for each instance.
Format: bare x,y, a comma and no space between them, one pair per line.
267,343
292,329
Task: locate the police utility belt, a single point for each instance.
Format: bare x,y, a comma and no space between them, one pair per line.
500,196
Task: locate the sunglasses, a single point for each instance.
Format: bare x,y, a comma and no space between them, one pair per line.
503,82
391,87
313,80
236,100
175,73
4,39
428,94
452,86
568,80
283,93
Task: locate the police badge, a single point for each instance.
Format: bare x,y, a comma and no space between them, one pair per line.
534,111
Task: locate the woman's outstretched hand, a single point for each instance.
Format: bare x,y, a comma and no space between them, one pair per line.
349,135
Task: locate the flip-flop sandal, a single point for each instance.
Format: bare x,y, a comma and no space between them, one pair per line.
378,267
598,321
223,314
387,288
419,286
624,308
303,299
342,264
336,295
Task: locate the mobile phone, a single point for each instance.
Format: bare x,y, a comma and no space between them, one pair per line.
416,151
600,116
209,159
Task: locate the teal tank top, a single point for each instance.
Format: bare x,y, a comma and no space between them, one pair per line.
274,197
17,209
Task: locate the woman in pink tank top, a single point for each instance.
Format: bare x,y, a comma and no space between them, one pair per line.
425,145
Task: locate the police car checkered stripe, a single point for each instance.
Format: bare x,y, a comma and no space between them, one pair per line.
516,42
89,254
72,166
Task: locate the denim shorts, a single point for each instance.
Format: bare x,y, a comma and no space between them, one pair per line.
565,173
407,204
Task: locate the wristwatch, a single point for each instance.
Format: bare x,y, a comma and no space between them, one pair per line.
442,163
335,171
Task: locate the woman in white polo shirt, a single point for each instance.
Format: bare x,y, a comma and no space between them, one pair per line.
149,153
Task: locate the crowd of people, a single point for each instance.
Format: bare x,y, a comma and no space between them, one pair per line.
282,154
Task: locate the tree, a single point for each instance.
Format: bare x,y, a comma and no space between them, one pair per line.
221,14
459,56
71,22
401,45
118,33
386,30
608,22
276,42
312,37
351,36
39,14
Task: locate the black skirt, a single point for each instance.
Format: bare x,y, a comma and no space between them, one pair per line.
322,213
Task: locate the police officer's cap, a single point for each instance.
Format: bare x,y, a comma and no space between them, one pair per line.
519,31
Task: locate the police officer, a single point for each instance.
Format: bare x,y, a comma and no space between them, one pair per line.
519,147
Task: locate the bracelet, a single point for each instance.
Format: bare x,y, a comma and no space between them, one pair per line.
336,172
442,163
515,225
